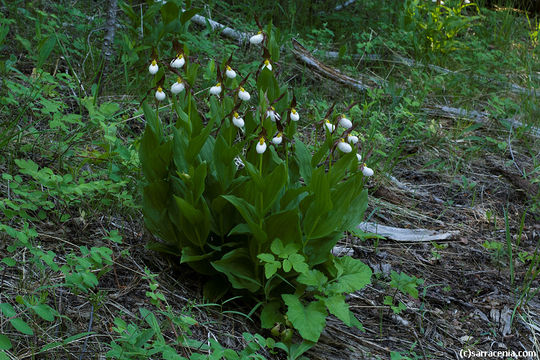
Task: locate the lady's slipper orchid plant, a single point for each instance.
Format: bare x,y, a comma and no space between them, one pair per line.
237,120
294,115
261,146
367,171
346,123
267,65
257,39
278,138
160,95
178,62
344,146
178,86
216,89
230,73
331,127
243,94
153,68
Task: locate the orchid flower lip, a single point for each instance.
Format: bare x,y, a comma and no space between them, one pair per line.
261,146
153,68
344,146
160,95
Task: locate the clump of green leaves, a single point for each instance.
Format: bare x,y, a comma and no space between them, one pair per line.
435,28
266,224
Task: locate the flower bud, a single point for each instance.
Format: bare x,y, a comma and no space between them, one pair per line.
353,139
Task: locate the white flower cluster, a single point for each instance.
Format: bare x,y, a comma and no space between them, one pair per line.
345,144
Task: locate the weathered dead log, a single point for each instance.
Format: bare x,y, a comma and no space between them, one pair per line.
223,30
108,40
304,56
400,234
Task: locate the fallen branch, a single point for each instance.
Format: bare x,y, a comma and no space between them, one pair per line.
344,5
223,30
400,234
303,55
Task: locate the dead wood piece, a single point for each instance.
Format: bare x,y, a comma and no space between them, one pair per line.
223,30
344,5
415,192
400,234
108,40
303,55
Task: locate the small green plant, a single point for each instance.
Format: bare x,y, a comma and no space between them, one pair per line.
436,27
405,284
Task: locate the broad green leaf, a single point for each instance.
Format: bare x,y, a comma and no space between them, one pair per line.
21,326
313,278
299,263
271,268
169,12
303,156
198,181
266,257
5,343
188,14
353,275
45,50
248,213
272,185
193,215
7,310
45,312
339,308
9,261
287,266
239,269
284,226
270,314
308,320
